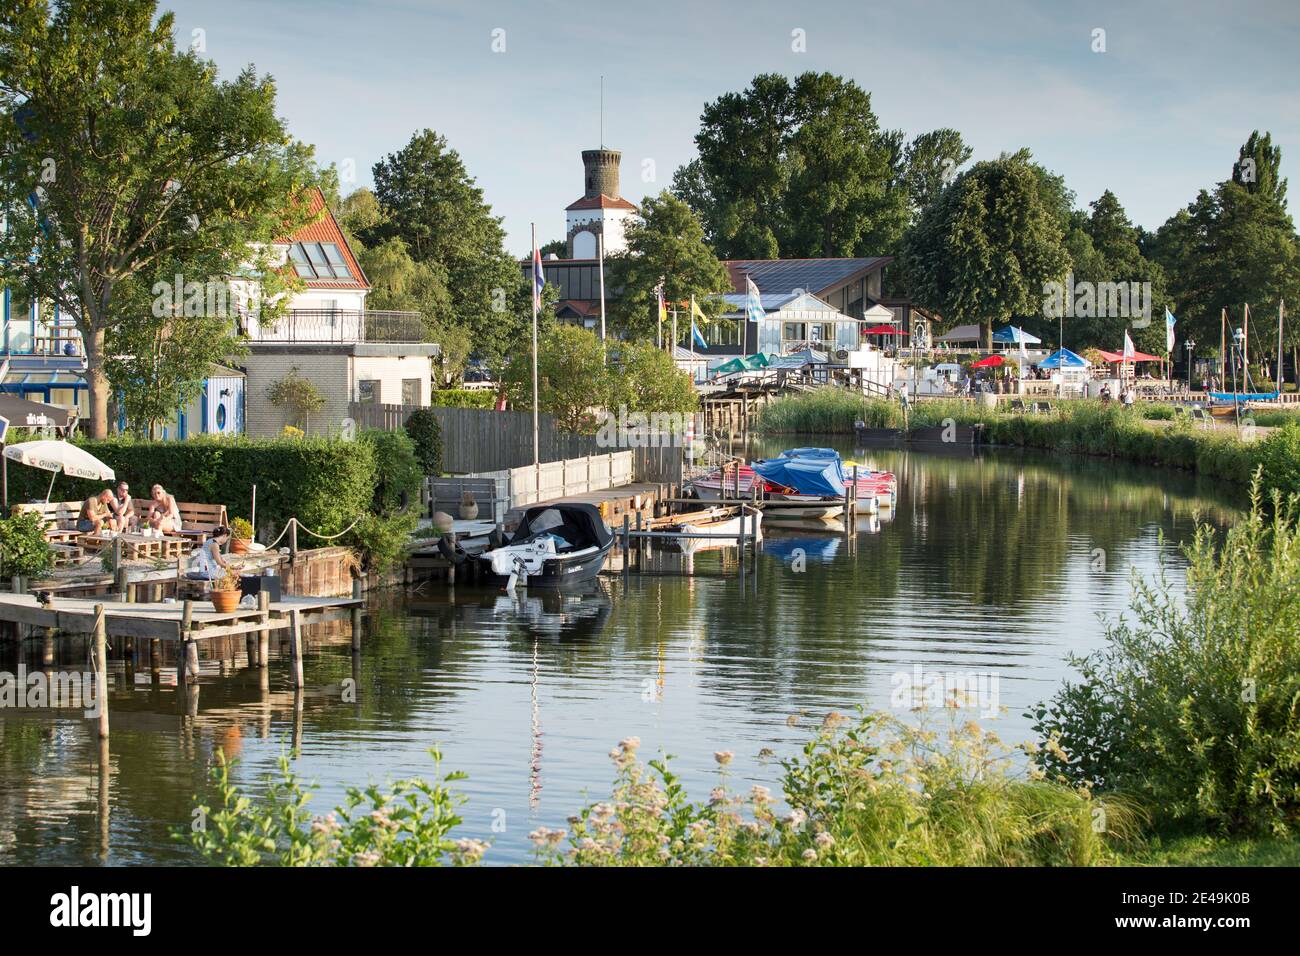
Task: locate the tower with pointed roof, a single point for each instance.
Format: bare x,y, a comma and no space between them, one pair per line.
601,211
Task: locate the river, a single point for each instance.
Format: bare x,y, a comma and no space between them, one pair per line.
993,568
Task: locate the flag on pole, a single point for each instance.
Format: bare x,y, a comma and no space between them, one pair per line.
1129,351
663,307
539,276
753,302
1020,335
1170,321
697,312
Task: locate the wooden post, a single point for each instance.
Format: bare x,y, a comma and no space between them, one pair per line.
356,617
182,649
293,539
295,646
100,631
155,657
119,572
264,635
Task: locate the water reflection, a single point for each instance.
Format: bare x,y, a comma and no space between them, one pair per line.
994,565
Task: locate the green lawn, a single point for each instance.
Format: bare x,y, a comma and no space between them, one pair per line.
1215,851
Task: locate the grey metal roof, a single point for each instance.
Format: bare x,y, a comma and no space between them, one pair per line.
811,275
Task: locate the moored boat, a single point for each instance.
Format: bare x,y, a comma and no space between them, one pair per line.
554,546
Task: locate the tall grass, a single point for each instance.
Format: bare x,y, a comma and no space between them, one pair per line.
1078,426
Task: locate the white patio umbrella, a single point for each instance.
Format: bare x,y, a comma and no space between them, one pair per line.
59,456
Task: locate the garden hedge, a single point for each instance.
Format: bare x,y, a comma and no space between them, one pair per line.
325,482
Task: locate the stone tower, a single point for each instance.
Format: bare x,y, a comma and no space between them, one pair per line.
602,212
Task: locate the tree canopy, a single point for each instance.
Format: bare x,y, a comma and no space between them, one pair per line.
122,156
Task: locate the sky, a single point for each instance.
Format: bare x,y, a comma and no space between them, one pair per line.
1157,116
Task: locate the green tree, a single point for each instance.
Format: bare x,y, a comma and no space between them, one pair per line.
1234,245
984,249
646,379
132,155
931,162
435,207
297,393
666,244
796,168
572,378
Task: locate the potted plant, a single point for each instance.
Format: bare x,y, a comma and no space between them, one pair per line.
468,506
241,535
225,593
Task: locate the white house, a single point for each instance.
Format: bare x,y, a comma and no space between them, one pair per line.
327,334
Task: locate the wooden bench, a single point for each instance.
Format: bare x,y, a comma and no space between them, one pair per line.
60,518
197,520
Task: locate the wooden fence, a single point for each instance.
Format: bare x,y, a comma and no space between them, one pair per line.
497,492
478,441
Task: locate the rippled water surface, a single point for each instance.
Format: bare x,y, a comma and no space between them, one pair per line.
999,565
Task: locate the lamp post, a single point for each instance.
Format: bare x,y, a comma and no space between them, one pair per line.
1238,336
1190,344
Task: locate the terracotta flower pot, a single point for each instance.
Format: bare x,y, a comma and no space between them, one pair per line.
223,602
238,546
469,512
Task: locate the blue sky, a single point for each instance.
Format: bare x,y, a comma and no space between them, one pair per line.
1155,117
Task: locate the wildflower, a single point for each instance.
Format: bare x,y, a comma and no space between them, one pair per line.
723,757
810,855
718,795
760,794
472,850
796,817
325,825
630,744
824,840
368,858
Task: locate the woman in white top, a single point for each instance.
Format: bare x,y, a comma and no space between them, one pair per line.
164,515
207,563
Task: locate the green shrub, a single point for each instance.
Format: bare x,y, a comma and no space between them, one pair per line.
405,825
1279,456
463,398
397,471
382,538
423,427
24,551
1192,705
1158,412
325,482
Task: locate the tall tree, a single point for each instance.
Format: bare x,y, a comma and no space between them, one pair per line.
795,169
1232,246
666,244
435,207
984,250
121,154
930,162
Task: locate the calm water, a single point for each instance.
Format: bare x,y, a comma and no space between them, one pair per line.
989,565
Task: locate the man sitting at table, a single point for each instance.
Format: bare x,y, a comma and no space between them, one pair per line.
97,514
123,508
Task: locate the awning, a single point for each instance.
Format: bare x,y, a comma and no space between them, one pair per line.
22,413
884,330
1135,357
962,333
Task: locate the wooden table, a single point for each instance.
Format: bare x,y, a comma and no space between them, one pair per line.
136,546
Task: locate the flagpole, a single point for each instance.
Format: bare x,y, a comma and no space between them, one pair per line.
600,252
536,455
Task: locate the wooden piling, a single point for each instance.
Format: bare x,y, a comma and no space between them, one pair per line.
295,646
100,632
264,635
182,651
356,617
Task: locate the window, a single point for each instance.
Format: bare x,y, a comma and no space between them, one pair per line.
793,330
410,391
368,391
319,260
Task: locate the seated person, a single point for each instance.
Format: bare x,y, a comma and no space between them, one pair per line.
123,508
207,563
96,513
163,515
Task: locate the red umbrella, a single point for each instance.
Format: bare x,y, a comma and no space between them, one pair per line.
993,361
883,330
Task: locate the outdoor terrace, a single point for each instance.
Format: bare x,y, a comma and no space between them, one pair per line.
339,327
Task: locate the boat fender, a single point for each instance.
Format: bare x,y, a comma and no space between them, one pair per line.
451,552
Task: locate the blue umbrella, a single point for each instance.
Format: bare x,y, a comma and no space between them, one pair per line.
1014,335
1064,358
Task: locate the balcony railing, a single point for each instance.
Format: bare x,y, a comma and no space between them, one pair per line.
338,327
